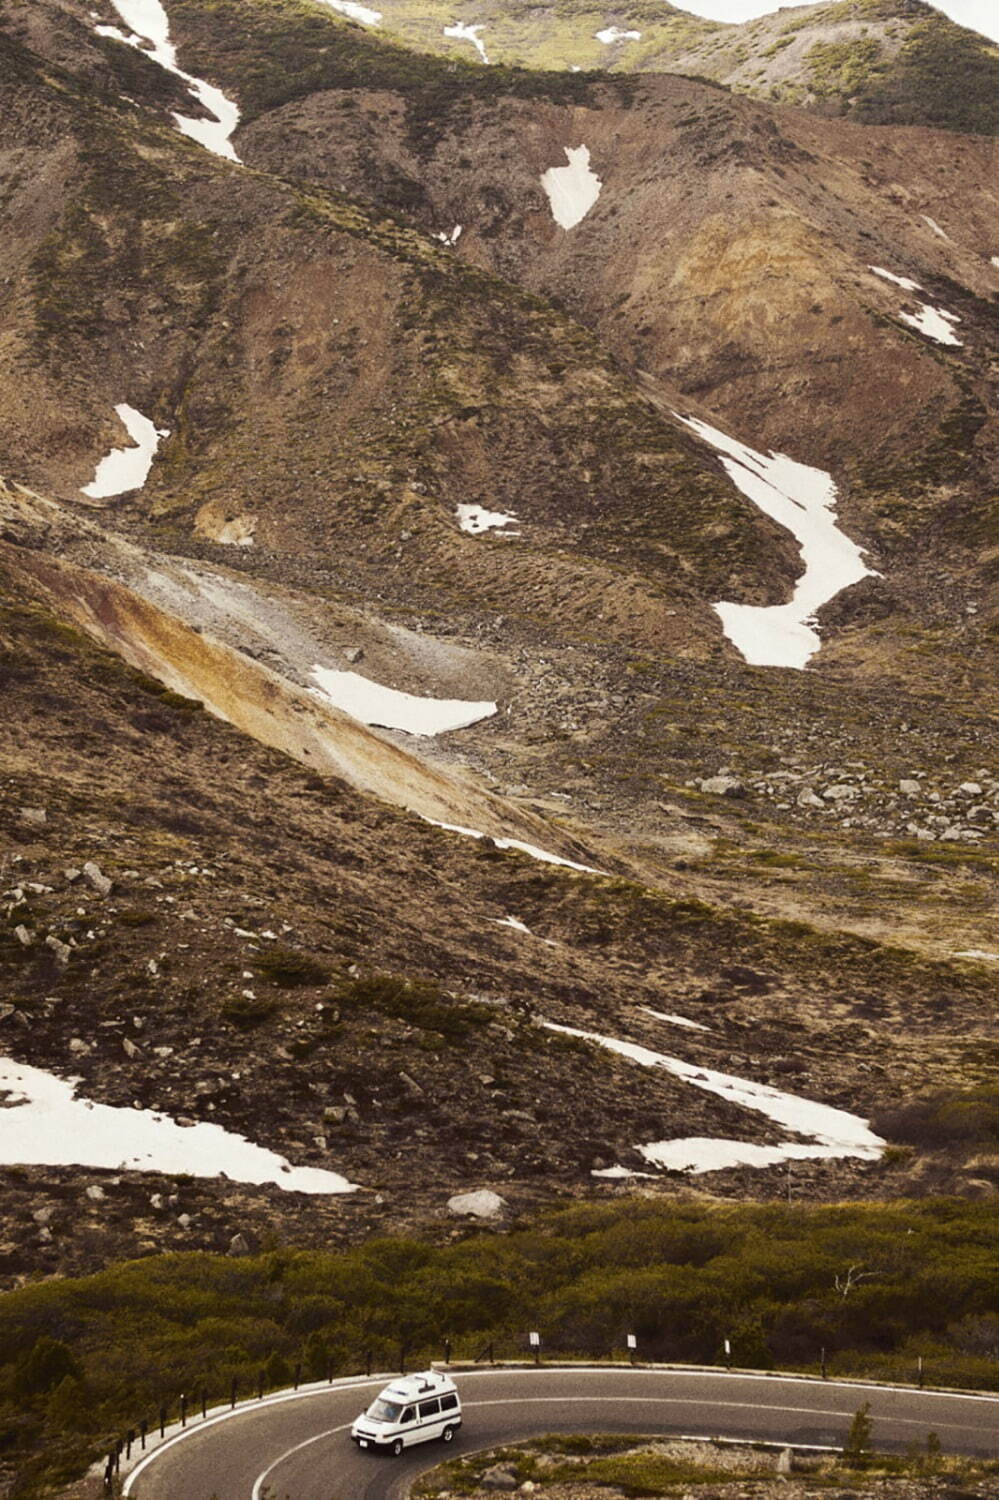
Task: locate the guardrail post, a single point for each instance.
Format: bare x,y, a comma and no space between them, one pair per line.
920,1372
447,1351
823,1361
183,1409
329,1372
129,1440
298,1374
492,1355
109,1471
232,1392
728,1354
367,1362
162,1420
204,1403
260,1386
143,1429
402,1359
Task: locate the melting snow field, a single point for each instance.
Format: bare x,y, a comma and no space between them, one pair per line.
572,190
475,520
531,849
149,32
374,704
127,468
834,1132
934,322
467,34
612,34
661,1015
355,12
804,501
43,1124
941,233
902,281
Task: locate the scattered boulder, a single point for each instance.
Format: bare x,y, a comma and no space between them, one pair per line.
129,1048
481,1205
239,1245
60,951
908,787
354,654
723,786
807,798
24,937
95,1193
842,791
498,1478
34,817
79,1047
94,874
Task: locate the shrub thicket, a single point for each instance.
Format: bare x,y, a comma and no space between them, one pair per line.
875,1285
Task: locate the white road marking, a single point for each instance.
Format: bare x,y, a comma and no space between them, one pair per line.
260,1480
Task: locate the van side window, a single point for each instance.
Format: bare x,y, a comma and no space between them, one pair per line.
448,1403
430,1408
408,1414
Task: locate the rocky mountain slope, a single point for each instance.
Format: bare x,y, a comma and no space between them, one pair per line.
480,470
882,62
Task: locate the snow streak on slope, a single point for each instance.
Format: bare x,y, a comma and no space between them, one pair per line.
126,469
373,704
468,34
572,190
934,322
354,12
803,500
834,1132
518,844
43,1124
149,32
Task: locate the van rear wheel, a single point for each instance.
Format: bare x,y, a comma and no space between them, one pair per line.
397,1447
447,1436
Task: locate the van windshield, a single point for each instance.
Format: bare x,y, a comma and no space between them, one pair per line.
384,1411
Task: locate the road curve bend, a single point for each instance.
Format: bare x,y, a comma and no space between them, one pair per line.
296,1446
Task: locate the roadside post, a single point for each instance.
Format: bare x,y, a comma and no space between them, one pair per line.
534,1339
632,1346
728,1354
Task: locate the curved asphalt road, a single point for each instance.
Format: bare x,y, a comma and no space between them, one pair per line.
298,1448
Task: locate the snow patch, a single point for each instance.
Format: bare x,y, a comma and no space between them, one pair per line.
475,520
572,190
611,34
467,34
42,1123
903,281
531,849
834,1132
354,12
804,501
449,239
373,704
149,32
513,922
980,953
935,322
995,261
661,1015
942,234
127,469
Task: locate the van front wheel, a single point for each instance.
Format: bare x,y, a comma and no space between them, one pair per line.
397,1447
447,1436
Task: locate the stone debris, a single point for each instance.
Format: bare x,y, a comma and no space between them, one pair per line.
93,873
61,951
33,817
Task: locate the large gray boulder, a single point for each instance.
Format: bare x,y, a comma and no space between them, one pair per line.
480,1205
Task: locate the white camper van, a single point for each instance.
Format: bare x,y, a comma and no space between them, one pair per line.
412,1409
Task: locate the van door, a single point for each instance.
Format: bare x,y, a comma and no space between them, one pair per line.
407,1423
431,1421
